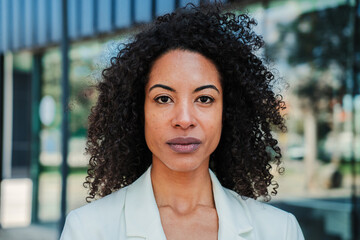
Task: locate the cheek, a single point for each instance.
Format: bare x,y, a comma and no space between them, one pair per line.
152,127
215,125
149,134
152,122
216,128
155,118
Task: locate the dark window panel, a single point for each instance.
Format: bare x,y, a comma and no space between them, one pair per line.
1,106
21,122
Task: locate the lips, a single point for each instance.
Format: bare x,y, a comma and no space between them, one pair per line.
184,144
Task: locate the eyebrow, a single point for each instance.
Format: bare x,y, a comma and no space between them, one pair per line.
206,86
162,86
173,90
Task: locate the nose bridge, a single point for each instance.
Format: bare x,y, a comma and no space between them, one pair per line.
184,114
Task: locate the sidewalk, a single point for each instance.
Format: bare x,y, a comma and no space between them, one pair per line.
32,232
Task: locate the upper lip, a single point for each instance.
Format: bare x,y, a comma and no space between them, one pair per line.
184,140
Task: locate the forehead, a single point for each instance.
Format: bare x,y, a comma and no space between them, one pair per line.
183,67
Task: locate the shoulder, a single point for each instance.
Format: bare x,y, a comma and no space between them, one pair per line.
95,217
257,208
104,207
268,221
258,211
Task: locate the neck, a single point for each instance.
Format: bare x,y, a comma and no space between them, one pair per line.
182,191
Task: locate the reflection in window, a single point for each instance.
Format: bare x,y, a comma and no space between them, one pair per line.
310,43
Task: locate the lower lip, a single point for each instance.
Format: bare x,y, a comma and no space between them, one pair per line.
184,148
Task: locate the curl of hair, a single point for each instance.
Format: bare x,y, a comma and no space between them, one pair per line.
242,161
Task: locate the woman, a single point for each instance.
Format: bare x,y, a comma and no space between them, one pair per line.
185,96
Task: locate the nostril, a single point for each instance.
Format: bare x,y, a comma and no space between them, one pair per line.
185,125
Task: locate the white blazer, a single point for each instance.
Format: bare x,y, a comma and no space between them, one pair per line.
132,213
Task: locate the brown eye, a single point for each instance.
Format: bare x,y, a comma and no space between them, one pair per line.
163,99
205,99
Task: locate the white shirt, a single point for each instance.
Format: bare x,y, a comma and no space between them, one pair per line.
132,213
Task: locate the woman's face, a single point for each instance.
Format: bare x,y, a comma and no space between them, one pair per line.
183,110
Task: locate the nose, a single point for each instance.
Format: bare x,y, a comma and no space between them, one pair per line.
183,116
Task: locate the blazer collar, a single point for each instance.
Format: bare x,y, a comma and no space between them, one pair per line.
233,214
142,215
143,219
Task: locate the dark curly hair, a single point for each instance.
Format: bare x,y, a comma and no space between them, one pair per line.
116,142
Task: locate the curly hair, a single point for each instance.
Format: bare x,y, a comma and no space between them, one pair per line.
242,160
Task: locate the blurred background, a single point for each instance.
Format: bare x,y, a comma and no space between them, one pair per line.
51,56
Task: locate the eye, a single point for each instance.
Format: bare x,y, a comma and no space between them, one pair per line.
205,99
163,99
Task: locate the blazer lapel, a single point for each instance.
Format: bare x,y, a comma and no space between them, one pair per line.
234,217
141,212
143,219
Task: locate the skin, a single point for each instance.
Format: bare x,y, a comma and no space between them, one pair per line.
183,98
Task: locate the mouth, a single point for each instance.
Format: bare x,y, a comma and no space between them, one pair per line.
184,145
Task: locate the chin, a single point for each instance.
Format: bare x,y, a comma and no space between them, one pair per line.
184,164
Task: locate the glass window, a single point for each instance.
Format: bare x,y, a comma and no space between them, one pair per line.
310,45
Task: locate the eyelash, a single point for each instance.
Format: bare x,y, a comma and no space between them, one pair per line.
157,99
207,98
211,100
